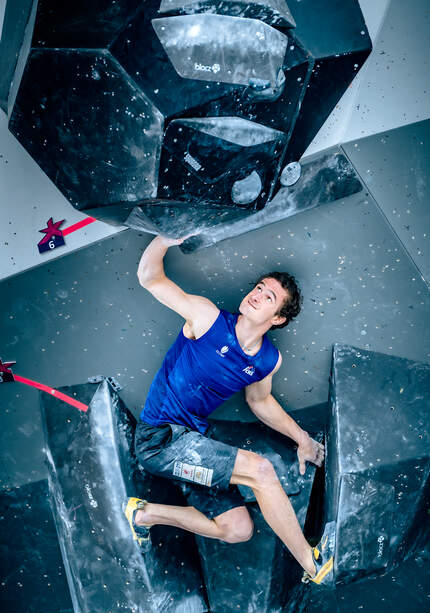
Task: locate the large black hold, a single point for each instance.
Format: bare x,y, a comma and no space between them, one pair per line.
91,148
104,89
92,470
273,12
173,218
325,178
378,460
268,576
208,158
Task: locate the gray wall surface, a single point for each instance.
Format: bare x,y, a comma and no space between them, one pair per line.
86,314
395,166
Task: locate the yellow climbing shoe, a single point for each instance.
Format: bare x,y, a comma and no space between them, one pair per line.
323,556
140,533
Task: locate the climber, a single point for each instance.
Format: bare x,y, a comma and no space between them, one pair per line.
216,354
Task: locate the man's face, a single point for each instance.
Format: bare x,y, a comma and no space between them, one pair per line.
263,303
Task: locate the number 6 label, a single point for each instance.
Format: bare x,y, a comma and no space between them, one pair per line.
53,236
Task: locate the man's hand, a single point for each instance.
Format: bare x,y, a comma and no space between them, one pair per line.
309,450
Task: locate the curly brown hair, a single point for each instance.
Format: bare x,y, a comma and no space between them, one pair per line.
293,303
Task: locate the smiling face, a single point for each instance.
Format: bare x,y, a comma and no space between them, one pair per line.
263,303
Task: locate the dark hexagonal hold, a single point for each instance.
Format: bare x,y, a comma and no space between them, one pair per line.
81,24
96,120
89,127
218,156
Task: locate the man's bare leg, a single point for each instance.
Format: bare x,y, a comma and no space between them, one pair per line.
232,526
258,473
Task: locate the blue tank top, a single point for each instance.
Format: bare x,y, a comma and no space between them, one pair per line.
198,375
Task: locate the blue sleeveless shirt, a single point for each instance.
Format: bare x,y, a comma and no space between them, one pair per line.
198,375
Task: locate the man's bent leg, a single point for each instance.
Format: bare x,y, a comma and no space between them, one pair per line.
258,473
204,467
233,526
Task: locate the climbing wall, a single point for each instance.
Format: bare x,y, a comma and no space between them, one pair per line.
352,228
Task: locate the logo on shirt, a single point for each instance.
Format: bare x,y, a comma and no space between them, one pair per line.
250,370
222,351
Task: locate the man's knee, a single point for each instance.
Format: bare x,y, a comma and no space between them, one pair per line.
236,526
238,533
253,470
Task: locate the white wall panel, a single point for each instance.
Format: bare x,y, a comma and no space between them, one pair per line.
392,88
27,200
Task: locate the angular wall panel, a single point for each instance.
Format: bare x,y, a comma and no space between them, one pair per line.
260,575
91,472
378,460
96,154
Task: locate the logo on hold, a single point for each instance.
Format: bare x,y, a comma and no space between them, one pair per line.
206,68
93,502
192,161
222,351
249,370
381,540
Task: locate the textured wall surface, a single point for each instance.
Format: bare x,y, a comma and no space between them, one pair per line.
397,67
395,166
362,262
86,314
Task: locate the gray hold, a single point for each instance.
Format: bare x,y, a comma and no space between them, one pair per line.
291,174
246,190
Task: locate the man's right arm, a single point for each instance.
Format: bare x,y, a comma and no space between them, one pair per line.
199,312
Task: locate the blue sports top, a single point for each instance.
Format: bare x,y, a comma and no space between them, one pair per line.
197,375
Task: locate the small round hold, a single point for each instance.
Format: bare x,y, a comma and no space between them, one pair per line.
246,190
291,174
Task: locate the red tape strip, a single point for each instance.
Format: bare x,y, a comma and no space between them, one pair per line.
78,225
50,390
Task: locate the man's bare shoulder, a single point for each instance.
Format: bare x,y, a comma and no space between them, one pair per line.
278,364
205,313
204,303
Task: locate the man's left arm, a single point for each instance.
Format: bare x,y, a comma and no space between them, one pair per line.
268,410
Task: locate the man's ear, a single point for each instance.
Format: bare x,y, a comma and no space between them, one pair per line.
278,320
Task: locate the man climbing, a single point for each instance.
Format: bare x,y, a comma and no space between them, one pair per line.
216,354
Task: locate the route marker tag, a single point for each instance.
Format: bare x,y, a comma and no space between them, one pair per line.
6,375
53,236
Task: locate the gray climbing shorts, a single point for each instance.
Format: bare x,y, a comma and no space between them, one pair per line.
201,465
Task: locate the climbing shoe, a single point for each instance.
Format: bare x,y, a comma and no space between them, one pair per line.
140,533
323,555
